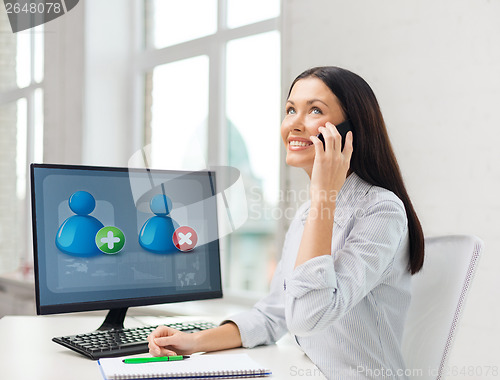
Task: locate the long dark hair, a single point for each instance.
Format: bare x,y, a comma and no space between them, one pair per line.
373,158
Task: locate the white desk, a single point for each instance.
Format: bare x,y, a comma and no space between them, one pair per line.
27,352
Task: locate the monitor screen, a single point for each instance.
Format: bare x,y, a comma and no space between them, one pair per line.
110,238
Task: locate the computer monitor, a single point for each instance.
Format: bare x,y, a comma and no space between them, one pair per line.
113,238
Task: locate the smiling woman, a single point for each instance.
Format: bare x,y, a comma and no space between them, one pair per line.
309,106
342,287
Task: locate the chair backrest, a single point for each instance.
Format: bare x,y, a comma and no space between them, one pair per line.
438,294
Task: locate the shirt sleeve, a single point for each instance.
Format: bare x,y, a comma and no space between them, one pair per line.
325,288
265,322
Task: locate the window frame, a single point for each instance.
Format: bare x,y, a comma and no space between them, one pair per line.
213,46
13,95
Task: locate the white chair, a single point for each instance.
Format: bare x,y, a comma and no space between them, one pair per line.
438,294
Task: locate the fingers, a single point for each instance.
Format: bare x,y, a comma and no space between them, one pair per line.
328,136
336,139
161,331
348,147
318,144
163,351
160,340
160,348
165,341
156,350
332,137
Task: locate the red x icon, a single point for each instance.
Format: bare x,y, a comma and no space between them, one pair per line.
185,238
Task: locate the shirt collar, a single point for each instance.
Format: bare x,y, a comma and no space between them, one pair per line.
353,189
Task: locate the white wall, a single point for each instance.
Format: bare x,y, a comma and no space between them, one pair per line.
435,68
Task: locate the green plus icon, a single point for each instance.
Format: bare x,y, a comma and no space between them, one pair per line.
110,240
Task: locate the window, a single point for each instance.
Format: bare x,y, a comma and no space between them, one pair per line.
253,137
21,128
179,117
212,99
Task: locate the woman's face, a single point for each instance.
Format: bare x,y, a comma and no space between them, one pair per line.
310,105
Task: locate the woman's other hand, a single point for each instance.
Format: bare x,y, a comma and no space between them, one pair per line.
166,341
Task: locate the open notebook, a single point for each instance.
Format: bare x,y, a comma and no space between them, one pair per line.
223,366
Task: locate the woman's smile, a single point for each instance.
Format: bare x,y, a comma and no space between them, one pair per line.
298,143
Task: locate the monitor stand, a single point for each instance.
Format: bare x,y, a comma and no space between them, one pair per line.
114,319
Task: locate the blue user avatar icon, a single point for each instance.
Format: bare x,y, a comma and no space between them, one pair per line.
76,236
156,234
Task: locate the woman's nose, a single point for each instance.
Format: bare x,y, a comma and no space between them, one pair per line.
297,124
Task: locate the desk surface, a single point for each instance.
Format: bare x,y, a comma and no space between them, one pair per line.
27,352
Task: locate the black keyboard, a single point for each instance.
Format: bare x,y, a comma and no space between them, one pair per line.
109,343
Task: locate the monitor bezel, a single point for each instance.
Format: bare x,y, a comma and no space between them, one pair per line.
118,303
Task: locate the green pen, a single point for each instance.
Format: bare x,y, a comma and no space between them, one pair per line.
155,359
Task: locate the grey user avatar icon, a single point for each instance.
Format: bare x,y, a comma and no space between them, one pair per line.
231,201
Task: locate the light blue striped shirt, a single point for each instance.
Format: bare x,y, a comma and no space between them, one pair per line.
347,310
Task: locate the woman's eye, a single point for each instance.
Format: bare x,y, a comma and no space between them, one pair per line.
290,111
316,111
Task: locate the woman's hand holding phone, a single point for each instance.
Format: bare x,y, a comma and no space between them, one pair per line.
328,174
331,164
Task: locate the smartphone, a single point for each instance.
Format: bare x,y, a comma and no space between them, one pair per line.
343,128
